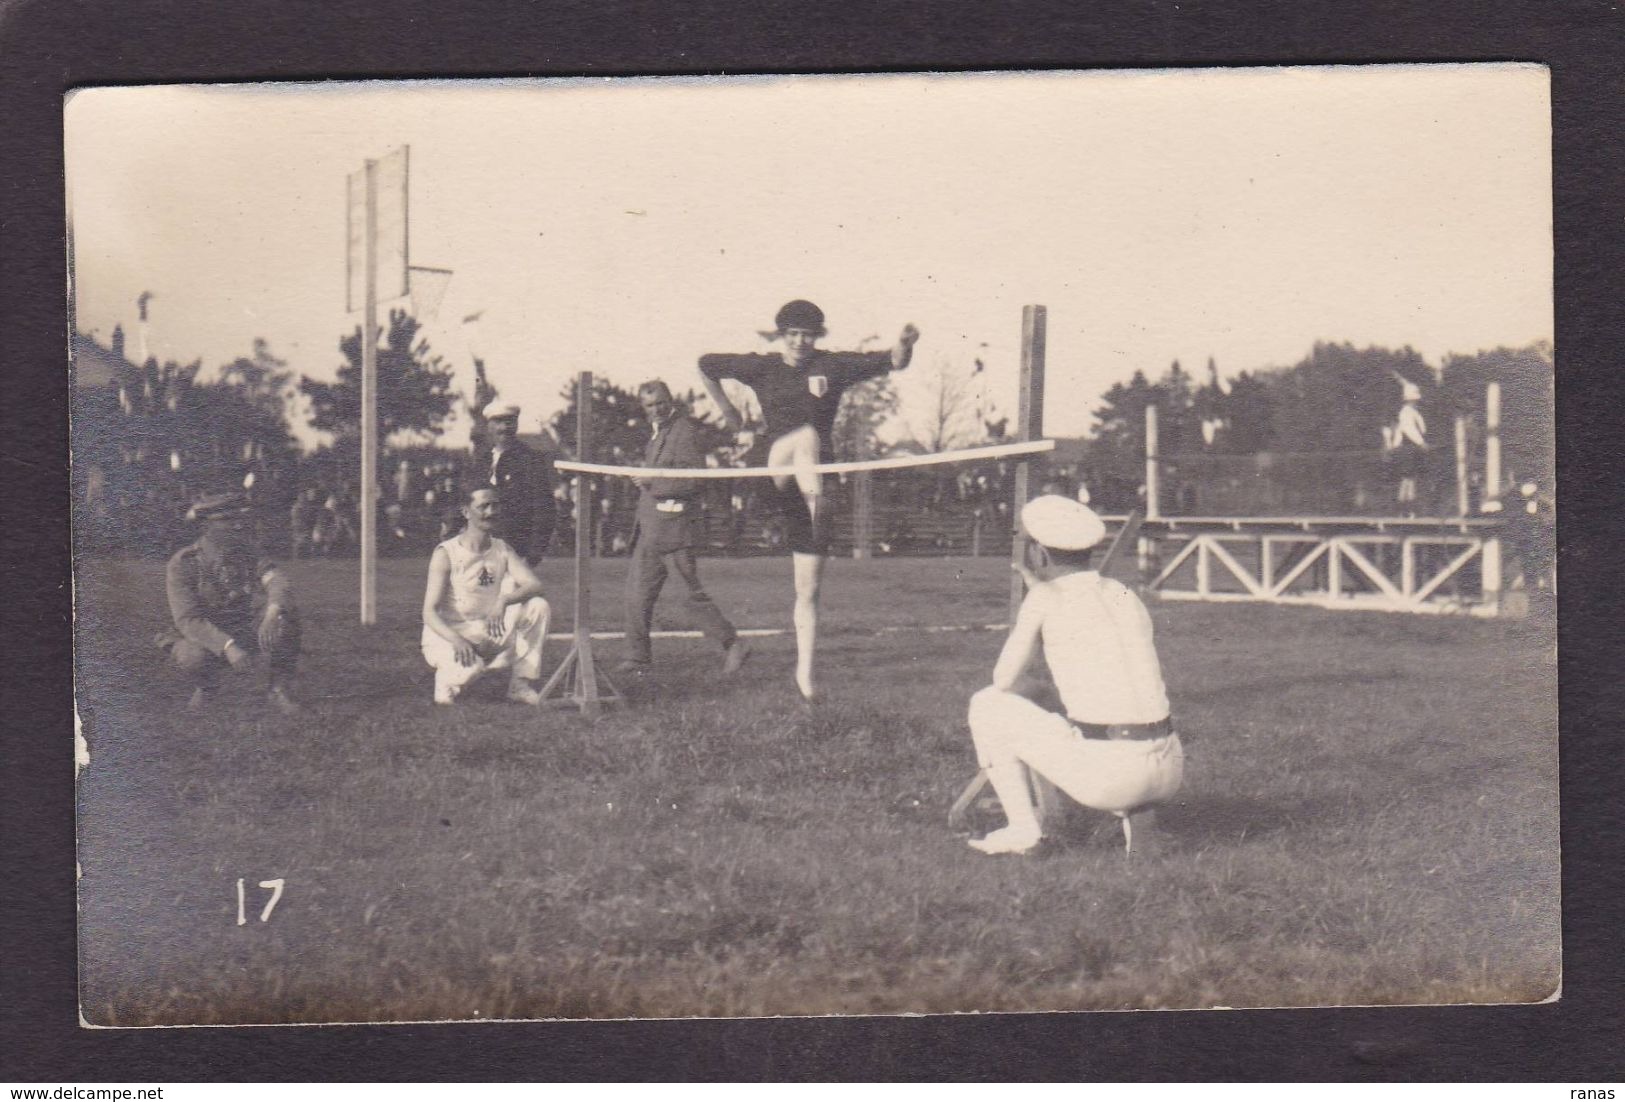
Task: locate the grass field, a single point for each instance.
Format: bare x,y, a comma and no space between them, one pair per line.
1370,816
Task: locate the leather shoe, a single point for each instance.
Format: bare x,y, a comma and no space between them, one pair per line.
283,702
734,657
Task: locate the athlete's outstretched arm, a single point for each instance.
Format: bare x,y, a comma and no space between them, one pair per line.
730,415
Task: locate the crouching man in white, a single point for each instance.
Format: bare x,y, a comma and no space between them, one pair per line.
483,609
1114,748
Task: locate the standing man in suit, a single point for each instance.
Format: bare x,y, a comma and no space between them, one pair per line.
668,529
523,481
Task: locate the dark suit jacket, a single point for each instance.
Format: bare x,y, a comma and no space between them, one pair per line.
524,482
661,523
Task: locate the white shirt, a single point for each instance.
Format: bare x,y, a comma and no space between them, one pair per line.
475,581
1097,643
1410,426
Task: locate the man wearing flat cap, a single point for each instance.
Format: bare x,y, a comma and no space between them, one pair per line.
229,604
523,481
1114,748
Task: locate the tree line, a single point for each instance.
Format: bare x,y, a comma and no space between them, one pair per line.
156,435
1321,420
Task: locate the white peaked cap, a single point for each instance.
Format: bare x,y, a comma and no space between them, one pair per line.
500,410
1062,523
1410,391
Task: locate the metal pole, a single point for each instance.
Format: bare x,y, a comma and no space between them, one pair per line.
1029,426
586,672
369,411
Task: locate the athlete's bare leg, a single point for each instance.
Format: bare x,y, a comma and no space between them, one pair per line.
798,448
809,572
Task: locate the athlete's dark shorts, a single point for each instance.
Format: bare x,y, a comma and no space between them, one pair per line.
801,534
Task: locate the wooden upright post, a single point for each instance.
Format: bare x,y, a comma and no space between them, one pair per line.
1029,426
1463,499
1153,481
369,409
578,678
1491,566
863,502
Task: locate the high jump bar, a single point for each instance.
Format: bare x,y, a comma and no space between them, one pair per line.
961,455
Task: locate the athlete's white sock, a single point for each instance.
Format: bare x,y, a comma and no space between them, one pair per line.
806,621
1006,840
1009,781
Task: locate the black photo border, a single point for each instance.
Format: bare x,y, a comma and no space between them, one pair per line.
48,47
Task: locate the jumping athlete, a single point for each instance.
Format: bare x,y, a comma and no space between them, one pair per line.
799,390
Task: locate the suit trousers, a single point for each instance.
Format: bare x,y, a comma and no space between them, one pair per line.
650,568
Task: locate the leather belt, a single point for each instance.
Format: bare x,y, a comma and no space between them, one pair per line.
1134,732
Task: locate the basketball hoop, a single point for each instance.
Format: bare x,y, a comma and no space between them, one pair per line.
427,287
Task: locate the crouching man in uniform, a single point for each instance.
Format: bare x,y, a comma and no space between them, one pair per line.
228,604
1114,749
483,609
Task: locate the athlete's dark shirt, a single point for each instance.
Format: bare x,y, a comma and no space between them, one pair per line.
786,394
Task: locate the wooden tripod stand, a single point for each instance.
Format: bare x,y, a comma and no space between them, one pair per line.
578,680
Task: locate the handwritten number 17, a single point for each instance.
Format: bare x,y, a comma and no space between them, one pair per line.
275,887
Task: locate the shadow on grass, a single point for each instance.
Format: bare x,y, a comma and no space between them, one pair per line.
1203,819
1231,693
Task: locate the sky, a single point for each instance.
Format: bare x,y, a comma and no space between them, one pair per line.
626,226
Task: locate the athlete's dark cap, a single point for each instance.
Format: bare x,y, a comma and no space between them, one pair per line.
219,507
799,314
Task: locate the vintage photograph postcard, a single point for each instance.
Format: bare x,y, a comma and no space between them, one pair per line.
760,546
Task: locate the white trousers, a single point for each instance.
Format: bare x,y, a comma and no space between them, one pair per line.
1108,774
519,649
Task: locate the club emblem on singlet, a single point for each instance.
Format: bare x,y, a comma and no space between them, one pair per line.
818,385
485,578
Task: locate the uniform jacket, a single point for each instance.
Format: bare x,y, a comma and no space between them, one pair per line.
524,480
215,598
669,508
